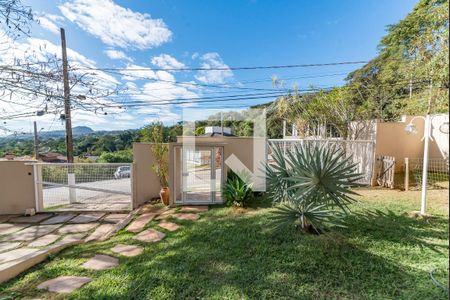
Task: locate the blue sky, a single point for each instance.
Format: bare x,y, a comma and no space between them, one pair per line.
202,33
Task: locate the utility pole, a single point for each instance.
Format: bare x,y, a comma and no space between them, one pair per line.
36,141
68,119
67,115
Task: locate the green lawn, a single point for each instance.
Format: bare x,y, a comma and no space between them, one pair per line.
233,254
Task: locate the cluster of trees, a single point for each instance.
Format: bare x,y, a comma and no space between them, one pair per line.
411,68
86,145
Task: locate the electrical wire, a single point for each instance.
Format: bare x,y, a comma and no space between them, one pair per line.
227,68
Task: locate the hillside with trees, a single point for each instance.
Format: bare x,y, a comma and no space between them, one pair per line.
411,67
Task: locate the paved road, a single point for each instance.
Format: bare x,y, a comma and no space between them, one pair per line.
88,199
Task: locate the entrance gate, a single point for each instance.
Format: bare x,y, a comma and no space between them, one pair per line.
83,186
198,175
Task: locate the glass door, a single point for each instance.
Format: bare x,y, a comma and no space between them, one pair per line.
201,175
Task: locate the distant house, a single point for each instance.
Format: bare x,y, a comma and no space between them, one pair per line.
217,131
10,156
92,157
52,157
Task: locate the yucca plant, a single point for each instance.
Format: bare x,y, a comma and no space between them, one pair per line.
236,191
311,185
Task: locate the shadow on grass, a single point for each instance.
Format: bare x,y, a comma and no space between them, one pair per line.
400,228
225,255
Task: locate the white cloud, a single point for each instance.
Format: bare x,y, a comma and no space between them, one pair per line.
166,61
213,60
116,54
50,22
116,25
136,72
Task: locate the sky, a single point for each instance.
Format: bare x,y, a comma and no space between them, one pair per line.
140,40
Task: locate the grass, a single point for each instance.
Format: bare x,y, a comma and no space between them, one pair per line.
233,254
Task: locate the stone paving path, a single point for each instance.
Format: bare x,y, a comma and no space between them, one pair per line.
64,284
101,262
56,232
44,240
26,241
168,225
127,250
139,223
150,235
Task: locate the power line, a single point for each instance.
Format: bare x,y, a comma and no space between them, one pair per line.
228,68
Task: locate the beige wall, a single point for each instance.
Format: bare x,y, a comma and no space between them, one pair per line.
16,187
145,182
392,140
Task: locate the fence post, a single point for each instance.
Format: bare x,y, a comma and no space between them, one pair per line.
38,193
406,174
71,182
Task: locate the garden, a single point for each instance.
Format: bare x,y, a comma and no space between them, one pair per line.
317,235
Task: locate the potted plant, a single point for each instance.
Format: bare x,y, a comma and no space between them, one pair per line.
160,167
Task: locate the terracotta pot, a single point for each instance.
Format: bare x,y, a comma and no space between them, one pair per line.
165,195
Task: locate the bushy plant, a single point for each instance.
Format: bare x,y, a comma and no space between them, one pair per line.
311,185
160,150
236,191
122,156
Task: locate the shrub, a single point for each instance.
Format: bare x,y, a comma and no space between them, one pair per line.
311,186
122,156
236,191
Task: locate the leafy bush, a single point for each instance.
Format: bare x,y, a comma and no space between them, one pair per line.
124,156
311,185
236,191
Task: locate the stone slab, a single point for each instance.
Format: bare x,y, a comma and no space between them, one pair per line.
31,219
186,217
8,246
101,262
68,240
127,250
31,233
64,284
76,228
168,225
7,228
166,213
200,208
150,235
44,240
86,218
150,208
16,254
59,219
114,218
100,233
139,223
5,218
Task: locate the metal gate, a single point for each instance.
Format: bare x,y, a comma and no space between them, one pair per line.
198,175
83,186
362,152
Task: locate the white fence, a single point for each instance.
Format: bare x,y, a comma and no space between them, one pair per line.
83,186
362,151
